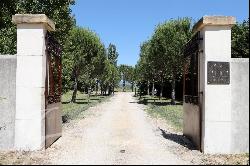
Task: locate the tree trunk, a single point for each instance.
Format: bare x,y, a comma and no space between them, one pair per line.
135,91
173,93
161,91
105,90
148,88
132,87
109,90
88,90
101,89
140,93
153,89
73,99
123,84
113,87
96,89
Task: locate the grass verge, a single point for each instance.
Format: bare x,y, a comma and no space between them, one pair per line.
171,114
83,102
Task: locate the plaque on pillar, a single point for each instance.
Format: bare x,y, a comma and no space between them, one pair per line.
218,73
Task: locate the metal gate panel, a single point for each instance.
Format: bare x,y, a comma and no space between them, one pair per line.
53,91
192,103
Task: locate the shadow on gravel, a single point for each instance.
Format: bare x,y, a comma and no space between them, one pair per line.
67,102
179,139
82,102
94,99
155,102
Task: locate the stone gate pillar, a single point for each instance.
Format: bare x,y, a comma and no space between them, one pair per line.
215,82
30,80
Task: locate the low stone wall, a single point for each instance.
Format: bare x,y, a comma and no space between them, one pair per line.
240,105
7,101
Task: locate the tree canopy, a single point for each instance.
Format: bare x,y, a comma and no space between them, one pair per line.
112,54
161,58
57,10
82,58
240,40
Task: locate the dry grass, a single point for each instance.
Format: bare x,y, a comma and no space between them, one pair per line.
237,159
171,114
21,158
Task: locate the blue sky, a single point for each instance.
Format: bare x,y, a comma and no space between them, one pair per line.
127,23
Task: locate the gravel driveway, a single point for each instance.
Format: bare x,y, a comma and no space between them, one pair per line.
114,132
120,132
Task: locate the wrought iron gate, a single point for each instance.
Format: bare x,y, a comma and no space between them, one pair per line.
53,90
191,70
191,83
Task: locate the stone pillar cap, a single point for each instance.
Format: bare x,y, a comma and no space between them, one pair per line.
214,21
34,19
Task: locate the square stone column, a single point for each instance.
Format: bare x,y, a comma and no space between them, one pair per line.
215,82
30,80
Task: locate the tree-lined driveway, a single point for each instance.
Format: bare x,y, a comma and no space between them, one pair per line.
114,132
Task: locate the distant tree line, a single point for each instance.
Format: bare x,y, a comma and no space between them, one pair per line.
127,75
88,65
161,57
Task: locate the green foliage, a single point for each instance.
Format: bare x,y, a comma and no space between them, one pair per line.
112,65
161,58
7,28
112,54
144,70
171,114
82,52
86,62
128,72
167,45
67,65
76,110
110,75
57,10
240,40
8,40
